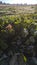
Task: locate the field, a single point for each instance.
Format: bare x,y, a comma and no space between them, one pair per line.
18,34
17,9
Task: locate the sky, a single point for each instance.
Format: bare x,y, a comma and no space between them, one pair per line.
20,1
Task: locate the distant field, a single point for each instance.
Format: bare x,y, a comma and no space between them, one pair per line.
17,9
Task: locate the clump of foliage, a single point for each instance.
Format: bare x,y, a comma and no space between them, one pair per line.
19,34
